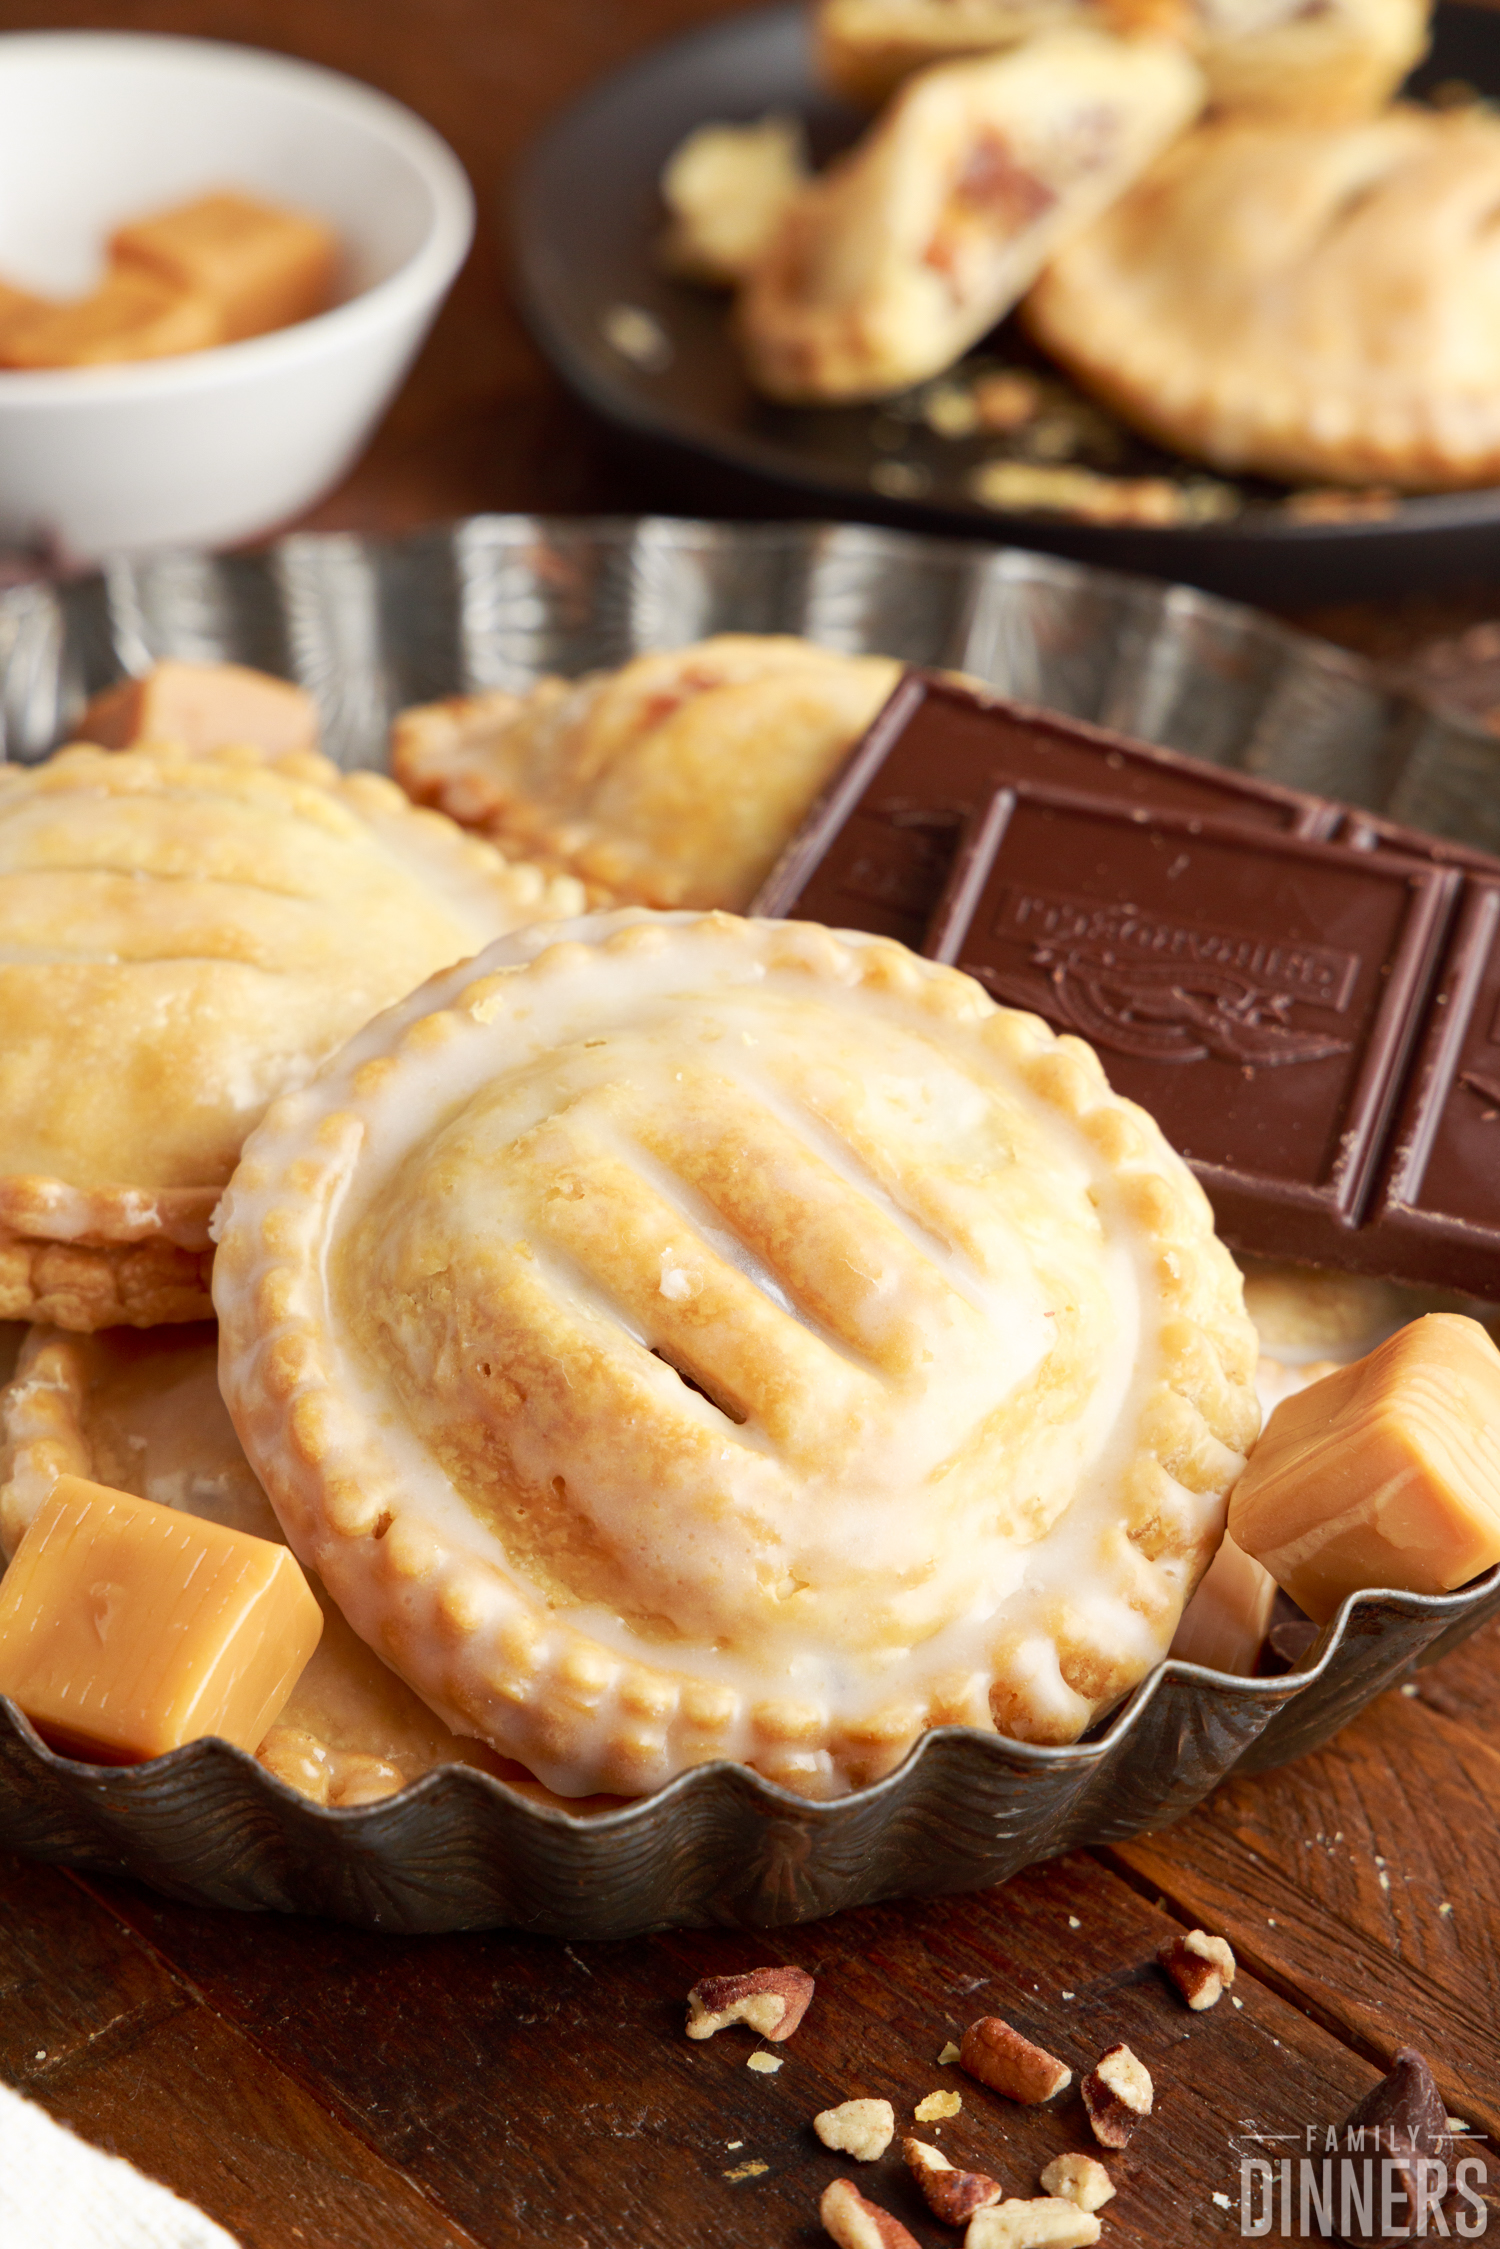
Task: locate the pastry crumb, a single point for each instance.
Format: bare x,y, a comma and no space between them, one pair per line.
936,2106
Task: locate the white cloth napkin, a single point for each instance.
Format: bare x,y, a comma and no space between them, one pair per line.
56,2192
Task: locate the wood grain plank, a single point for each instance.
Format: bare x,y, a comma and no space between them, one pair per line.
546,2093
96,2030
1465,1685
1365,1882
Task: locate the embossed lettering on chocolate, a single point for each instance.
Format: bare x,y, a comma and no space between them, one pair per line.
1256,992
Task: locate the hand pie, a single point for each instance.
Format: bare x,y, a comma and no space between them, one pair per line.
865,48
143,1413
674,781
907,250
678,1338
1307,302
1336,60
180,941
1340,58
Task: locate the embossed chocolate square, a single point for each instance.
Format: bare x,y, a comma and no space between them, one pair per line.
1438,1213
1257,993
876,850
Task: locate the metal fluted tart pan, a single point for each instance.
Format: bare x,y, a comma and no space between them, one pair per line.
370,627
460,1850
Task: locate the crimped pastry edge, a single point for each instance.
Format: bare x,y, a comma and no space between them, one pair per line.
338,1492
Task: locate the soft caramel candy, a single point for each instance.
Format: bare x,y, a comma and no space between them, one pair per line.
1226,1620
1385,1473
131,315
127,1629
205,707
264,268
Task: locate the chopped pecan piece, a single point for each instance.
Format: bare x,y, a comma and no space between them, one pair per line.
1080,2179
857,2224
1201,1966
863,2129
1117,2094
771,2000
952,2196
1008,2063
1047,2222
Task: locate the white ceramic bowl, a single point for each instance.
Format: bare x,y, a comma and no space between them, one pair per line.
217,445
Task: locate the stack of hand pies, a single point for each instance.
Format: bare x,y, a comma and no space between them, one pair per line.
662,1336
1211,216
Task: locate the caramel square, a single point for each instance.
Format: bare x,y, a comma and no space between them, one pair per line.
131,315
1385,1473
127,1629
204,707
263,267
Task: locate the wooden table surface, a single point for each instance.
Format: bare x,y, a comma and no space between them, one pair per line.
306,2083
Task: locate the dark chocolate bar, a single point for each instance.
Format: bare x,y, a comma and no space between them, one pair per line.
1257,993
875,852
1268,973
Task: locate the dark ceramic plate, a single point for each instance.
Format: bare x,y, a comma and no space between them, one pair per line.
367,626
653,356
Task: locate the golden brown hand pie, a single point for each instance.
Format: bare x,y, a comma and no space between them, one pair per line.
180,941
682,1338
1301,301
1326,62
865,48
143,1413
907,250
1334,59
674,781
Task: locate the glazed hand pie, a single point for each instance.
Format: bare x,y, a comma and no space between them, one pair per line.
907,250
1338,59
682,1338
1305,302
674,781
143,1413
180,941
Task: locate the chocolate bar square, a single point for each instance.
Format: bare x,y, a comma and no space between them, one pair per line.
1257,993
1438,1215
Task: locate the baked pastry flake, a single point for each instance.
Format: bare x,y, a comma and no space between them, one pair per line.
1305,302
725,189
673,781
908,249
678,1338
181,939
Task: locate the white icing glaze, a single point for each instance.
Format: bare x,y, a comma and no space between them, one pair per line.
827,1546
